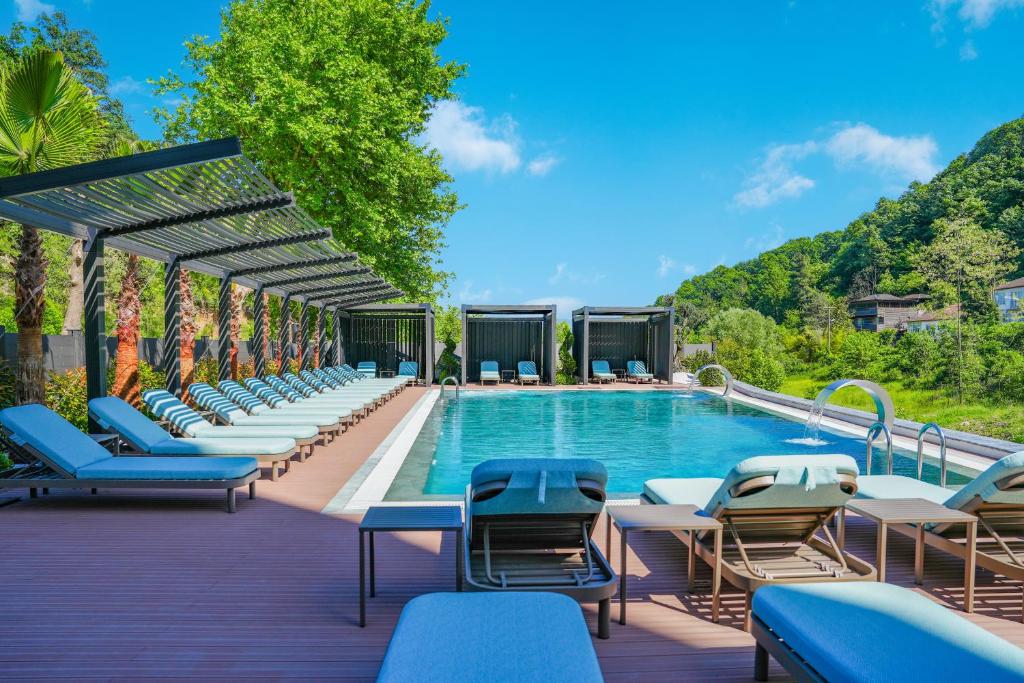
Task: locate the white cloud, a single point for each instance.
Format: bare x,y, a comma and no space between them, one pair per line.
766,241
905,157
975,14
565,274
556,277
468,295
968,52
466,139
543,164
565,304
775,178
666,265
28,10
127,86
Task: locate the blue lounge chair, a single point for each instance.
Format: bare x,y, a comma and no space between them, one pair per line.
636,370
328,422
145,436
298,391
529,526
995,497
868,632
489,372
367,368
600,372
275,390
172,410
409,369
777,508
54,454
527,371
471,637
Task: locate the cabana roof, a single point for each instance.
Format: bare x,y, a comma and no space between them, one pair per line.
621,311
205,205
519,309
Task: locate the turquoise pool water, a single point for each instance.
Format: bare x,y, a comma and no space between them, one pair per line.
638,435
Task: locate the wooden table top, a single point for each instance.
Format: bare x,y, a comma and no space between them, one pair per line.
412,518
660,517
903,510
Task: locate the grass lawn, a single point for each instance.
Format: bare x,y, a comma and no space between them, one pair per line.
1000,420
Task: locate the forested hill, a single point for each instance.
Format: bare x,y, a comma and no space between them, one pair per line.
877,252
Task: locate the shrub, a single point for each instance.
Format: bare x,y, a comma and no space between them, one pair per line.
66,395
697,360
565,372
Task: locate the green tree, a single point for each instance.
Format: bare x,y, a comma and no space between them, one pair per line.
965,259
748,344
331,98
47,120
565,373
448,329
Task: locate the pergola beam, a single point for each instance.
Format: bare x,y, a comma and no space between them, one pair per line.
274,201
315,277
341,290
293,265
369,299
257,245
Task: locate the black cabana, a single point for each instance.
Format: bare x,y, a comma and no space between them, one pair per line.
508,334
386,334
618,335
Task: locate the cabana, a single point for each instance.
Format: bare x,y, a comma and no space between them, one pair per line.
618,335
204,207
508,335
387,334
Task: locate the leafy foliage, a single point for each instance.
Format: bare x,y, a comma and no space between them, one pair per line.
565,372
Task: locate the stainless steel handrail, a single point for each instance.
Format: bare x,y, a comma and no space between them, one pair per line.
713,366
873,432
445,381
942,450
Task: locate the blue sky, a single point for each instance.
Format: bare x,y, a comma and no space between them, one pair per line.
606,152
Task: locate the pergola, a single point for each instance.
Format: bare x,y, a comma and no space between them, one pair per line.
508,334
205,207
618,335
387,334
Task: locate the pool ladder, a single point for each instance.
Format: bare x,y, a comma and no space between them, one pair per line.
942,450
454,381
874,431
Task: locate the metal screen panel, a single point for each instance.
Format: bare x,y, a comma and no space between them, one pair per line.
506,340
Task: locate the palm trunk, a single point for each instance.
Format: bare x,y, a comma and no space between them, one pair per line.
237,296
129,311
76,290
266,327
30,302
187,331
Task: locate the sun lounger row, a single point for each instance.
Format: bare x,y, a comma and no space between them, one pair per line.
526,372
636,371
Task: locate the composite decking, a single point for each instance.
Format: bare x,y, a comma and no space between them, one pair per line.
163,585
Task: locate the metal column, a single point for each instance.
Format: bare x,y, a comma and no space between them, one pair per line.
259,335
95,324
304,350
224,329
172,326
339,348
428,341
323,350
286,327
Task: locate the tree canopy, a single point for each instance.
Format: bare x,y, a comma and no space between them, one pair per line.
331,99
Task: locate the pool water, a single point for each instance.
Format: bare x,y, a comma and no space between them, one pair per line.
638,435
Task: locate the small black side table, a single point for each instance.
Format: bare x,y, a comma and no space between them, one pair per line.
508,376
405,518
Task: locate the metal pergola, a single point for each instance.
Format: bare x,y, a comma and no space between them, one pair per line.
622,334
508,334
204,207
386,334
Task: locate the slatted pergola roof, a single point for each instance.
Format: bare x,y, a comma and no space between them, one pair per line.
205,205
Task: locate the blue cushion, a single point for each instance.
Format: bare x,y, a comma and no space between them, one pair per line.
53,436
527,368
262,446
600,367
800,481
274,429
209,398
293,424
984,485
896,486
867,632
503,468
167,406
116,415
408,368
178,469
678,491
496,637
488,366
637,368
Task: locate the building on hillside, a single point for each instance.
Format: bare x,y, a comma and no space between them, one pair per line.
1010,301
879,312
929,321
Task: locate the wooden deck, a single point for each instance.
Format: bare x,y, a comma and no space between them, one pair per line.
159,586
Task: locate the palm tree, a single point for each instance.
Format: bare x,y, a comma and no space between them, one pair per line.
47,120
129,309
187,330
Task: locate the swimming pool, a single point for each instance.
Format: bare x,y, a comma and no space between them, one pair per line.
638,435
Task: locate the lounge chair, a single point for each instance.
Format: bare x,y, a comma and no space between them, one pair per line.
145,436
317,389
529,523
471,637
367,368
275,389
636,370
600,372
868,632
329,423
527,371
291,391
188,422
54,454
410,369
995,497
489,372
773,507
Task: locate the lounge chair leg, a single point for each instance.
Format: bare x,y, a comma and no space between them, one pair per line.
252,490
604,617
93,491
231,500
32,493
746,612
273,471
760,663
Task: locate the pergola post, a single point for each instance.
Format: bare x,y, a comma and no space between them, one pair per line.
584,368
428,352
339,347
465,346
304,350
285,332
172,326
224,329
551,345
95,324
322,351
259,335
